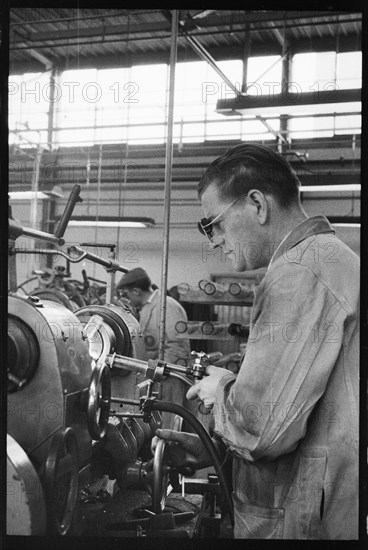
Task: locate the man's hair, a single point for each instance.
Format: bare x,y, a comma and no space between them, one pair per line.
135,278
252,166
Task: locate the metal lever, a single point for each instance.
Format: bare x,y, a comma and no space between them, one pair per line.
110,265
16,229
64,220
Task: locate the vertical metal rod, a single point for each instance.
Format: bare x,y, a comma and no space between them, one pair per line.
50,115
110,283
34,187
282,144
12,268
168,171
246,56
99,174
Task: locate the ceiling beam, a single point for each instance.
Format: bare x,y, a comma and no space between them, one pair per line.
248,104
236,22
64,58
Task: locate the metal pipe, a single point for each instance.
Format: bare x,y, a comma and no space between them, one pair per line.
137,365
12,267
109,264
121,361
34,188
83,254
168,170
50,115
35,234
197,47
126,401
246,56
110,283
49,252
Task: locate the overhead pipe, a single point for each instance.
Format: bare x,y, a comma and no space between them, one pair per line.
168,172
204,54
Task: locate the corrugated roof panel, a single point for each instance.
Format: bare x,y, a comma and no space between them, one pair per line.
218,28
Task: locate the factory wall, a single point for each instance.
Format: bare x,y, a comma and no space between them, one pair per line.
190,258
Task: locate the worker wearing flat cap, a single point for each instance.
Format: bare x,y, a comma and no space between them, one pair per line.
136,286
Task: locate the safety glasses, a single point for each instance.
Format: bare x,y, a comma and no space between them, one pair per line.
205,225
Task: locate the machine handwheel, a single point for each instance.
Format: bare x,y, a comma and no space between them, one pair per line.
99,397
161,472
61,481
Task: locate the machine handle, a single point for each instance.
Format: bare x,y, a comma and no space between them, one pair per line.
64,220
108,264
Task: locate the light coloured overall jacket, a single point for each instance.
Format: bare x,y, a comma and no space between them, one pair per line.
291,415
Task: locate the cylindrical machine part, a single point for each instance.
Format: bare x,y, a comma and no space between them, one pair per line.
241,291
181,327
212,289
193,326
212,329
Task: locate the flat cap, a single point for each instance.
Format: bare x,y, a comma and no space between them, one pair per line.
136,275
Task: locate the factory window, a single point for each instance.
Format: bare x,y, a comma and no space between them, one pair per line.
349,70
320,69
327,71
29,103
263,79
264,75
144,100
130,105
198,87
111,111
253,129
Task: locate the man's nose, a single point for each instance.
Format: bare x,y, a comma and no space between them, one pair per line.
216,242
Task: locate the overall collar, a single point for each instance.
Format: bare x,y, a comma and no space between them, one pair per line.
311,226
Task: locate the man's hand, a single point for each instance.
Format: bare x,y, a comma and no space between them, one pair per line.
206,388
185,449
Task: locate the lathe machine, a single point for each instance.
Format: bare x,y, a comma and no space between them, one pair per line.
83,408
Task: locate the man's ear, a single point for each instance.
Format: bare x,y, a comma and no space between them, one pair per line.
262,203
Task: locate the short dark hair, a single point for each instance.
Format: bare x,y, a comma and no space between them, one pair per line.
248,166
